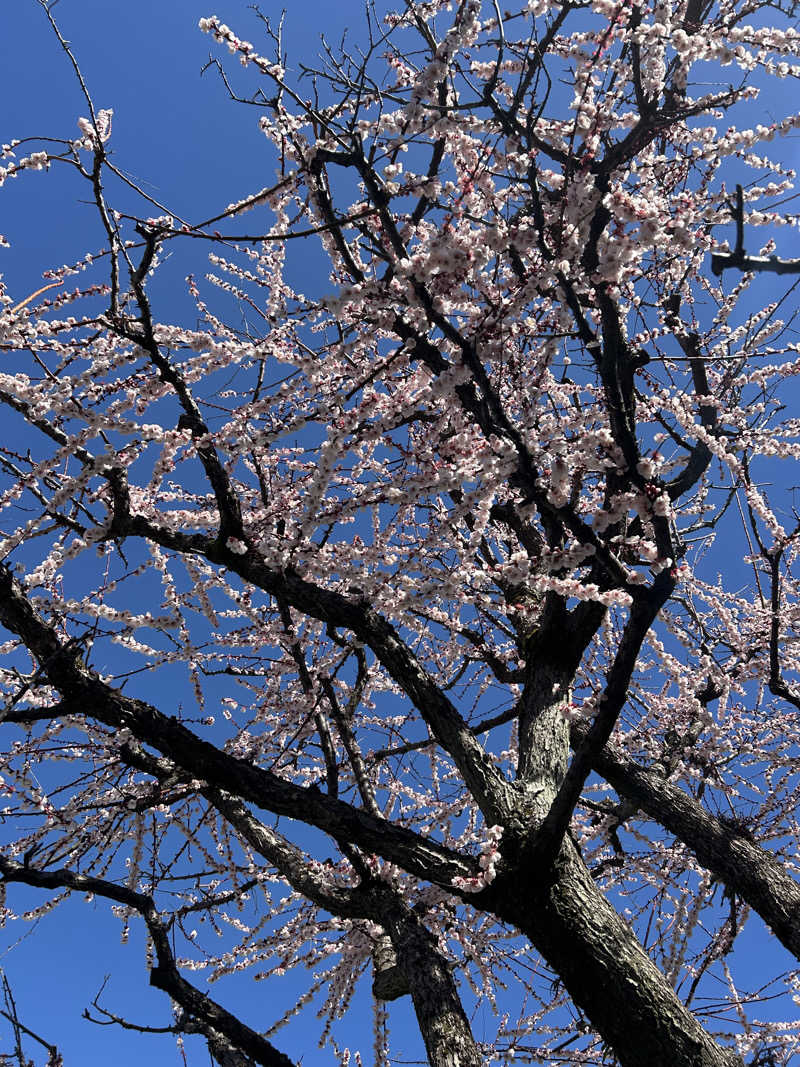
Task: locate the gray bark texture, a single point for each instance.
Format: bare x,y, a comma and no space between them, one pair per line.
606,971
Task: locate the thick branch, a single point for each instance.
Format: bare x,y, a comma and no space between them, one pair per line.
82,689
750,871
484,781
289,860
443,1023
643,613
721,261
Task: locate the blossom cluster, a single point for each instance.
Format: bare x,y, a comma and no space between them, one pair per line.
488,861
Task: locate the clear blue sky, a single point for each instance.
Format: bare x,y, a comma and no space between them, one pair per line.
177,133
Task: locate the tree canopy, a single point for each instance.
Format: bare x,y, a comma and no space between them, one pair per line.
437,630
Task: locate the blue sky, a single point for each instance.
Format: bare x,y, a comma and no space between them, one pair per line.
178,135
174,131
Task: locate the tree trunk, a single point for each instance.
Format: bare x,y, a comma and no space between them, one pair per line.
441,1017
605,969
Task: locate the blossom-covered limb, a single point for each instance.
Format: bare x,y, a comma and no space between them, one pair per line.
141,333
427,974
428,977
442,1020
376,632
164,974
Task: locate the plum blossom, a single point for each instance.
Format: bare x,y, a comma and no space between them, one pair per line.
488,861
97,132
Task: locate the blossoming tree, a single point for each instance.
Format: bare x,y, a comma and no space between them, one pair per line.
436,567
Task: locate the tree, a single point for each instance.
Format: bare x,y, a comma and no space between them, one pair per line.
439,564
